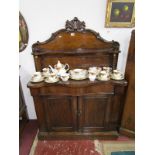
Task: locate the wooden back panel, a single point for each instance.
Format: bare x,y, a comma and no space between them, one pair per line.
77,46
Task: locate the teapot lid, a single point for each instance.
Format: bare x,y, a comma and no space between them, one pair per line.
58,65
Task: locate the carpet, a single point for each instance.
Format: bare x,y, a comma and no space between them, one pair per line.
82,147
64,147
118,147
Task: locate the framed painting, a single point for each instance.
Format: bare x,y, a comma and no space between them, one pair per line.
120,13
23,33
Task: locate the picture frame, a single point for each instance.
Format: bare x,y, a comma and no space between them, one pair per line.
23,33
120,13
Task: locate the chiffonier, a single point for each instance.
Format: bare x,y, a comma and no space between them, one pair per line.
77,109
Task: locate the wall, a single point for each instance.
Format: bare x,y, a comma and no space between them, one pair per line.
44,17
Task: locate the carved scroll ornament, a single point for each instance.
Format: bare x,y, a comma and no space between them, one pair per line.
75,25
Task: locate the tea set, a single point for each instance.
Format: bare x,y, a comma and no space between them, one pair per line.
59,68
61,72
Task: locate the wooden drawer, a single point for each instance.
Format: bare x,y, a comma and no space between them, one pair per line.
77,91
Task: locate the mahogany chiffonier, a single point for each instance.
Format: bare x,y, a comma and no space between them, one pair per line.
77,109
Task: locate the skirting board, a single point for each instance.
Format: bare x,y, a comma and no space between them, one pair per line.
75,135
126,132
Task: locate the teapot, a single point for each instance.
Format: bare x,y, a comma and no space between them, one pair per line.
59,68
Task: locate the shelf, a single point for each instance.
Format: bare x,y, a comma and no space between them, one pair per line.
75,83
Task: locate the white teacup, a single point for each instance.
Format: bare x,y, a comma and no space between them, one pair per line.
37,76
117,74
95,70
65,77
46,72
107,69
103,75
53,77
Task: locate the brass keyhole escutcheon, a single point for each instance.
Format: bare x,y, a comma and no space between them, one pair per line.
79,113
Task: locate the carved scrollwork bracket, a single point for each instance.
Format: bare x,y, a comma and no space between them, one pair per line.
75,25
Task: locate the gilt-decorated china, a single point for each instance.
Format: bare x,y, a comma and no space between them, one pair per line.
103,76
48,80
92,76
107,69
37,77
117,75
37,80
64,77
94,70
59,68
78,74
52,78
46,72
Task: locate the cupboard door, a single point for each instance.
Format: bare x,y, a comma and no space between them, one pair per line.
94,112
60,113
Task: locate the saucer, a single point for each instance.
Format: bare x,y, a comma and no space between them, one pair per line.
117,78
49,81
78,78
39,80
103,79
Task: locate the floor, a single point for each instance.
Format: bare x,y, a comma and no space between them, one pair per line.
29,134
27,137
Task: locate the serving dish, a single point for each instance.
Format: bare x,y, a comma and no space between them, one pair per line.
78,74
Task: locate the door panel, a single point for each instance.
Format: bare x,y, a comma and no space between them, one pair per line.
60,113
94,112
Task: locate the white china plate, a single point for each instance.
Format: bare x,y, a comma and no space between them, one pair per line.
48,81
35,81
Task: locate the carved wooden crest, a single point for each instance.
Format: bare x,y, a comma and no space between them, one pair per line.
75,25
